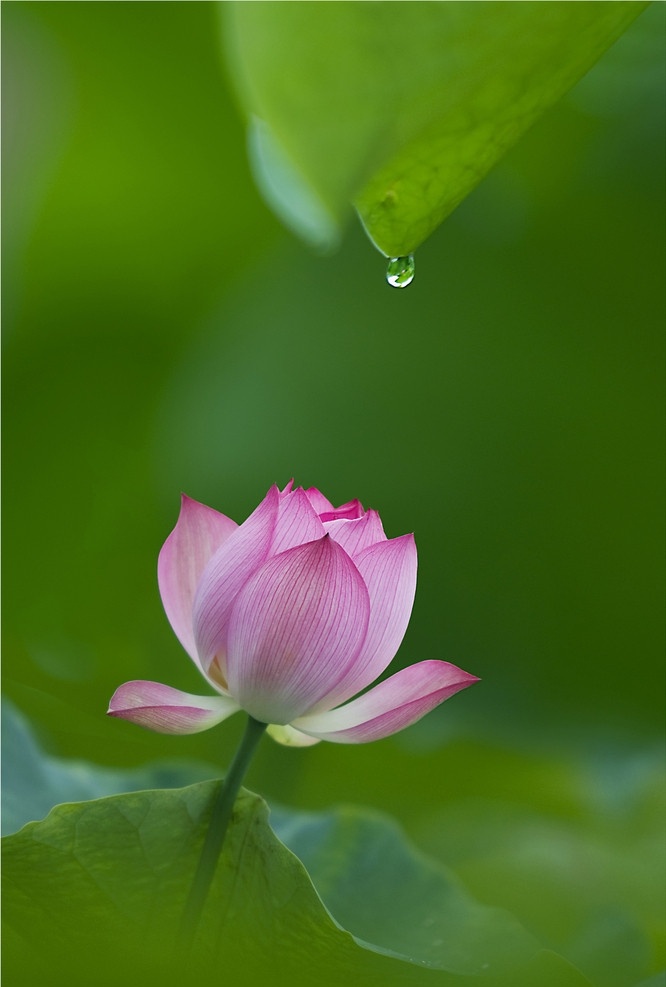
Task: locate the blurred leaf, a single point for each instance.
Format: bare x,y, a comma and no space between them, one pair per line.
359,862
33,782
587,879
401,107
659,980
548,969
362,866
99,886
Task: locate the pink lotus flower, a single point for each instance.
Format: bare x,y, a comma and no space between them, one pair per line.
288,616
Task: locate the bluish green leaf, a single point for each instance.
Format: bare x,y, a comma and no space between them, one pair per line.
659,980
33,781
111,875
587,877
360,862
99,886
357,859
402,107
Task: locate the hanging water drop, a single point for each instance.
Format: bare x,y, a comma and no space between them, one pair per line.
400,271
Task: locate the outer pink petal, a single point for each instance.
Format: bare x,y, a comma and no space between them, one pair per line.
229,568
198,534
296,626
389,571
391,706
358,534
297,522
320,503
165,710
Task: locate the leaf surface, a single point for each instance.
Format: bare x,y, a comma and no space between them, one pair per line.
102,883
34,781
99,887
400,107
395,900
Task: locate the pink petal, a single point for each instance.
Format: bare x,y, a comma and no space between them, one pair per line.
352,509
297,522
389,571
229,568
320,503
391,706
358,534
198,534
296,626
165,710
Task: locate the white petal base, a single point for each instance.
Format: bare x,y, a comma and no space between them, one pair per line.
290,737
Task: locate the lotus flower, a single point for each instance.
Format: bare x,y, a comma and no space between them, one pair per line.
288,616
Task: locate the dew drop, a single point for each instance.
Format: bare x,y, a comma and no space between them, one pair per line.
400,271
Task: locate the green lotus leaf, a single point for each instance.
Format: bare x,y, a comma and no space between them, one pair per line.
401,108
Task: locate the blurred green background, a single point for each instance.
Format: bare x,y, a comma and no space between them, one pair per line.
164,333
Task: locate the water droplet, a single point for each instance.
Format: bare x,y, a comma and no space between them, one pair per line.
400,271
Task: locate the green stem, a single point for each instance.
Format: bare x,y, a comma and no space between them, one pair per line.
217,828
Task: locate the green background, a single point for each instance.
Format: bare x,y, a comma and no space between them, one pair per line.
164,333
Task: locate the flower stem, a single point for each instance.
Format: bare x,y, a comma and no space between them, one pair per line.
217,828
